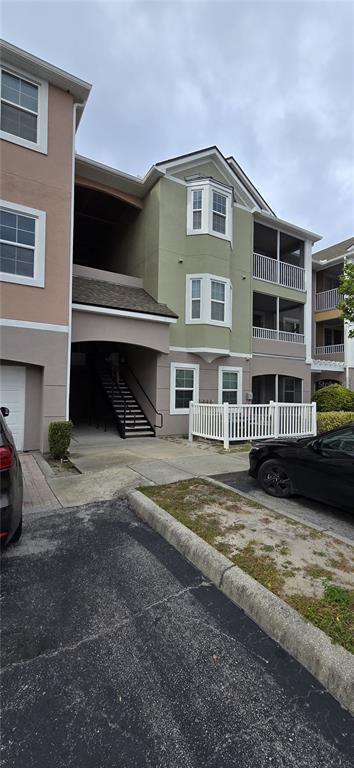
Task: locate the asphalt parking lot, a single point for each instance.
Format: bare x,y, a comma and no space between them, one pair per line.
333,520
116,652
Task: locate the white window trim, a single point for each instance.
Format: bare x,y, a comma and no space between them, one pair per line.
38,279
205,300
41,145
174,366
207,187
229,369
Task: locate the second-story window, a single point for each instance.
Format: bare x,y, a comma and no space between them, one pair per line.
23,111
22,245
208,300
217,308
196,289
209,209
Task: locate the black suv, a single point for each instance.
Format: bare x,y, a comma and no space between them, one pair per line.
11,485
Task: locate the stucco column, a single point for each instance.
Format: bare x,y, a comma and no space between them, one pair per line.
308,305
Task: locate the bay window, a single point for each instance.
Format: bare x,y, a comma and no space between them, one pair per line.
208,300
209,209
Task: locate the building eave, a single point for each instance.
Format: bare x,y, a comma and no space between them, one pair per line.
90,169
286,226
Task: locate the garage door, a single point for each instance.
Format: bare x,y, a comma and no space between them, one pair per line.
12,395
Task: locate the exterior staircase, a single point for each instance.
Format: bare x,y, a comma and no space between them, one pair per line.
129,416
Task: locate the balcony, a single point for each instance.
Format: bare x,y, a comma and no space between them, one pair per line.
327,300
272,334
332,349
279,272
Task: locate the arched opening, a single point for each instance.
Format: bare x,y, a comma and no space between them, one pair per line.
277,387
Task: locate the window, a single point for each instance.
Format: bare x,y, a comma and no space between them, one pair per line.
219,213
195,298
217,301
291,325
184,387
209,209
289,389
230,385
197,209
22,244
208,300
24,107
343,443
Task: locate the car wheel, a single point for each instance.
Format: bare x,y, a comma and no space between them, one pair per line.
275,479
18,532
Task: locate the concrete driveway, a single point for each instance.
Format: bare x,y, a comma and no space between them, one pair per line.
116,652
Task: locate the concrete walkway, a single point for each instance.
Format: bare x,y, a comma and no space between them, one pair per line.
37,495
111,466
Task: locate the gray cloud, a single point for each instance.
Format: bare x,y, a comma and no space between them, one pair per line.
270,83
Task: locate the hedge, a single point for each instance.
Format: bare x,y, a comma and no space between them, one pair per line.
333,419
335,397
59,435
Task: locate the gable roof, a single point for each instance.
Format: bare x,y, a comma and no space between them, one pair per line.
335,251
100,293
228,166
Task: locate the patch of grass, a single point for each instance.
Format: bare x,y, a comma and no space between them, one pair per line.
267,548
340,563
319,552
284,551
318,572
333,613
261,567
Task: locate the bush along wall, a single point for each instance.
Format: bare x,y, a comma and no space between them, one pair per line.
59,436
335,397
333,420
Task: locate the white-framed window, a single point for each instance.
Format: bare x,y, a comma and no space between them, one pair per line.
209,209
230,385
208,300
22,244
23,110
290,324
184,387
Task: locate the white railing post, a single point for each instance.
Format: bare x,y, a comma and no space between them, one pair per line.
275,408
314,418
190,423
226,425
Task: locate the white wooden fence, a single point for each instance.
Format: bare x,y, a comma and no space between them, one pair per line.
230,423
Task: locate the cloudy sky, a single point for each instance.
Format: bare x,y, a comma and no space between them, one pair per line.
270,82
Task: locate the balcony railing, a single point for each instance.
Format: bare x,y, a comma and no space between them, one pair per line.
274,271
273,334
333,349
327,299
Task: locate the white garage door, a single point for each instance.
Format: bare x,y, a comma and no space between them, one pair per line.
12,395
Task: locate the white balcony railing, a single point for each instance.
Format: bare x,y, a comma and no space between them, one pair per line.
333,349
274,271
273,334
327,299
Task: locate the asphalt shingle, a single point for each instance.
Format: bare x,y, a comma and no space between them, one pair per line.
103,294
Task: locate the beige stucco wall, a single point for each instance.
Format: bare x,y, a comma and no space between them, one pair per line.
278,348
88,326
45,399
43,182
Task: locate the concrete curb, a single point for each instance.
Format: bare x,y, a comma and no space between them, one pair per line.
331,664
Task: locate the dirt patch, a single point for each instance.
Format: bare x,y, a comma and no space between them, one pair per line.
62,466
305,567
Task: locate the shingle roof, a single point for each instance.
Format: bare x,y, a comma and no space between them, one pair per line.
334,251
103,294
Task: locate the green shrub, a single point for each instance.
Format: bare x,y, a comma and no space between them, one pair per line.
59,435
333,419
335,397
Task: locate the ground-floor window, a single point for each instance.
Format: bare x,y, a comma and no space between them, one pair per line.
184,387
230,385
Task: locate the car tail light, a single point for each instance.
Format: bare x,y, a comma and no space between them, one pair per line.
6,457
2,534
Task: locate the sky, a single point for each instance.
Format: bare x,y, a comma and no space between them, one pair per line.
271,83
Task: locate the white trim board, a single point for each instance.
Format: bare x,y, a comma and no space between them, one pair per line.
6,323
209,350
123,313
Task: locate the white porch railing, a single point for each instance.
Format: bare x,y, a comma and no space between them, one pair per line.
274,271
327,299
274,335
333,349
231,423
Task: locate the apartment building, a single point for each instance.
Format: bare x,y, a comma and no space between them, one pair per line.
333,348
125,297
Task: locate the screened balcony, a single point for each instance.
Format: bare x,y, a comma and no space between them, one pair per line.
330,340
276,319
278,258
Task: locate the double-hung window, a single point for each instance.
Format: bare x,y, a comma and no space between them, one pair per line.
230,385
209,209
23,111
22,244
208,300
184,387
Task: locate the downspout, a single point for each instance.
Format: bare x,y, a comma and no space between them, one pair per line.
76,105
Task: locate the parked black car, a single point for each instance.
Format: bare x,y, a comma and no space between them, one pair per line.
11,485
321,468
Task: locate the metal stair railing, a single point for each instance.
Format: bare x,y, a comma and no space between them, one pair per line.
158,413
113,384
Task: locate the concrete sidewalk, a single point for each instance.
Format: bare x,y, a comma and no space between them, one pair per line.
111,466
